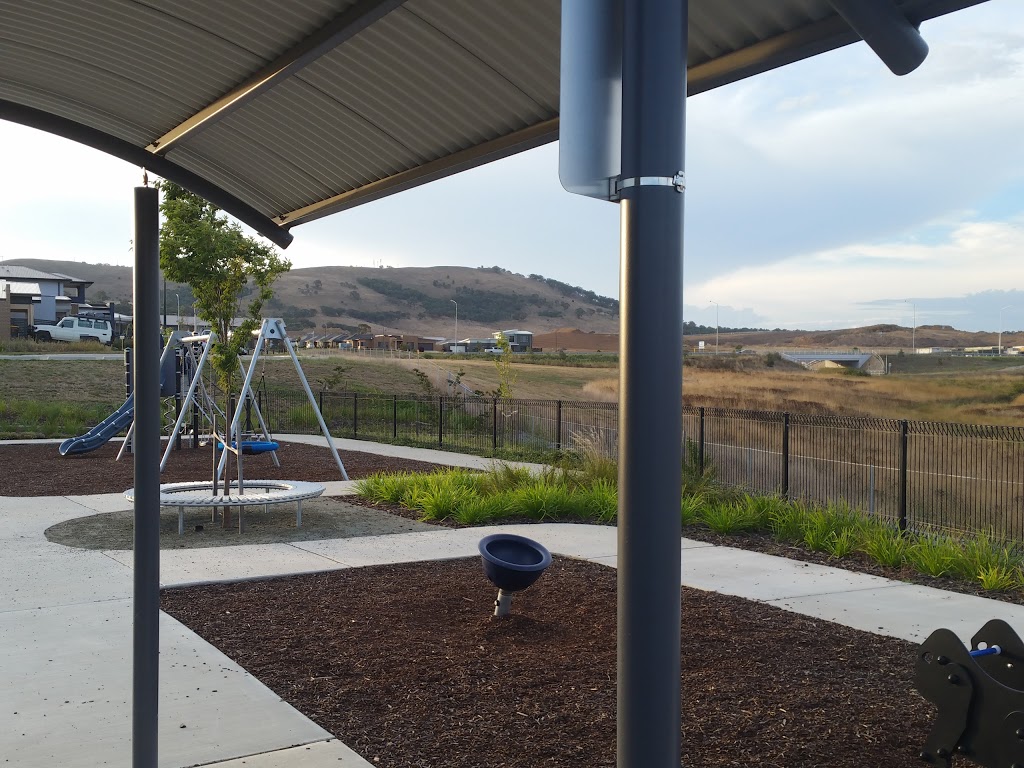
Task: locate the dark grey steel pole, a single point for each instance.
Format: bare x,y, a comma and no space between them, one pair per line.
650,419
146,614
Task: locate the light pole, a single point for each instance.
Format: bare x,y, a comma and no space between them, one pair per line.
913,332
456,344
716,325
177,313
1000,348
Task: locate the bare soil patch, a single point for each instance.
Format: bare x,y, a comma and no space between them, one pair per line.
404,664
322,518
39,470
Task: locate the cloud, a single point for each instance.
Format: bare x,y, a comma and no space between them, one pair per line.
870,283
775,170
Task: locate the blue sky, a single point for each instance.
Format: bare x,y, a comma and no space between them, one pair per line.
826,194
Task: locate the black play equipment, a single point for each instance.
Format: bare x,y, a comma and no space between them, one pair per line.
512,563
979,694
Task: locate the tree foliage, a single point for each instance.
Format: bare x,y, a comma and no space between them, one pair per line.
503,363
211,254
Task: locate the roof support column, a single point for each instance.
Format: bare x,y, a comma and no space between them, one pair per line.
146,602
650,382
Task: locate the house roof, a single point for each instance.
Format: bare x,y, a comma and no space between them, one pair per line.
20,288
283,112
15,272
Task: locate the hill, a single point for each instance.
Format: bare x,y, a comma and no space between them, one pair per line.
872,337
417,300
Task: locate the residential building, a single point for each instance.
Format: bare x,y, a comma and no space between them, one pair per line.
519,341
33,297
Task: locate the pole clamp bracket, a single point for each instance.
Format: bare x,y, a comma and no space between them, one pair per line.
617,184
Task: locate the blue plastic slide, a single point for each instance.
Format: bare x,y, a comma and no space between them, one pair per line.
115,423
123,417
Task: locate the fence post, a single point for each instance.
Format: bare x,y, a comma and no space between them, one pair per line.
195,423
700,443
320,399
871,489
179,379
355,415
558,421
440,420
902,522
494,429
394,416
785,455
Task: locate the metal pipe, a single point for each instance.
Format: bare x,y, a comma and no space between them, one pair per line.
309,393
882,25
146,602
190,397
650,419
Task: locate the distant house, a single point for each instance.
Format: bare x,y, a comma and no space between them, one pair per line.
519,341
32,297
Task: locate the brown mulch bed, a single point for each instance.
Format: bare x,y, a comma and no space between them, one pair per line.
39,470
404,664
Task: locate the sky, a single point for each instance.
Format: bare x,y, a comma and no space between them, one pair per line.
825,194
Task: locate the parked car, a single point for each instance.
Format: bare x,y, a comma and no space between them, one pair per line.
74,329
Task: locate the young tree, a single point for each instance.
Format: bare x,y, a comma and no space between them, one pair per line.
503,362
200,247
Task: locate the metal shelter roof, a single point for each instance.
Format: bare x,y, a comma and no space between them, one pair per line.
283,112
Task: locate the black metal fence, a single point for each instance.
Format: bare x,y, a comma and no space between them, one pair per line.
919,475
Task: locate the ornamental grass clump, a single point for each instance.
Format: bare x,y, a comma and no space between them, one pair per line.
386,487
503,477
729,517
540,502
936,555
691,507
480,510
817,529
997,578
599,502
786,522
984,552
885,544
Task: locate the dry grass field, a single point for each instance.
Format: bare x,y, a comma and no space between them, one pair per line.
984,397
979,398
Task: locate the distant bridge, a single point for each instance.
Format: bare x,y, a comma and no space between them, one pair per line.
845,359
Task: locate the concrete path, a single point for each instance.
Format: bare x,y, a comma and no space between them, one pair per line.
65,629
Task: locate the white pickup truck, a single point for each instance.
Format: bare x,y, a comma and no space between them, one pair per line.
75,329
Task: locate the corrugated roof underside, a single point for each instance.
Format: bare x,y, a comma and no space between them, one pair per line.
152,65
428,80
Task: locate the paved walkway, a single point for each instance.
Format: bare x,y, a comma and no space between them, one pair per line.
65,630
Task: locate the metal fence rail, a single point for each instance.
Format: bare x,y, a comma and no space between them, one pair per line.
926,476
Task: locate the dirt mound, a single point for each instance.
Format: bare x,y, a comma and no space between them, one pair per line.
575,340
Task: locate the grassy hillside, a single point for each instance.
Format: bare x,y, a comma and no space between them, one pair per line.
417,300
873,337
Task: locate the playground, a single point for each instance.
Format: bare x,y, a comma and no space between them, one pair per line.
386,646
